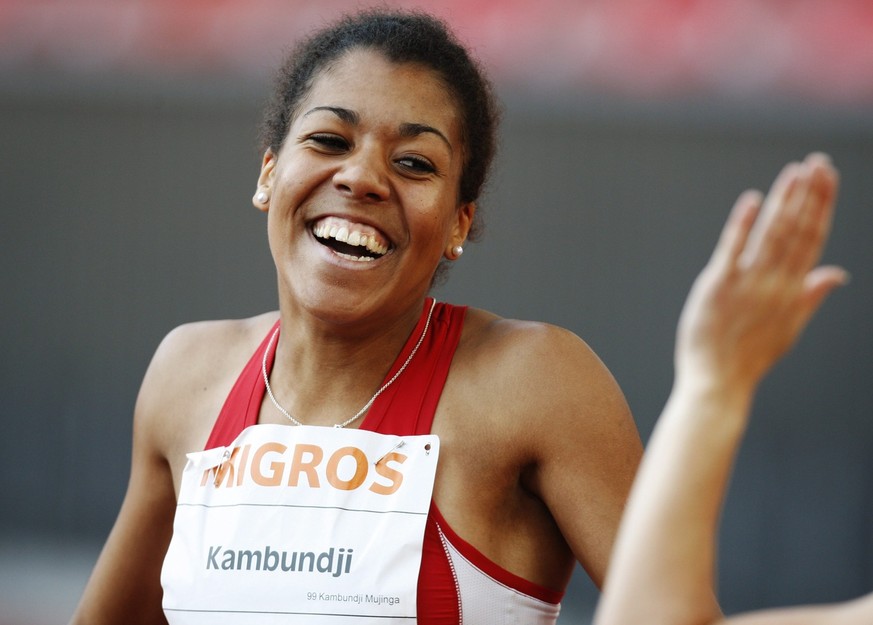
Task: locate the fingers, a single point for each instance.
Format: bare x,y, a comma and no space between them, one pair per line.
812,225
781,189
762,287
735,233
795,219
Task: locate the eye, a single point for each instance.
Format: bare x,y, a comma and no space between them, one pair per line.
329,142
416,165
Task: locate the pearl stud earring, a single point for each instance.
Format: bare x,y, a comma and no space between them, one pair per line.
261,197
457,251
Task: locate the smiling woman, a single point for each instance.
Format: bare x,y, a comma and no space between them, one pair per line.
371,164
483,491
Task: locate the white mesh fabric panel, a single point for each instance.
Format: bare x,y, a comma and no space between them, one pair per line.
484,600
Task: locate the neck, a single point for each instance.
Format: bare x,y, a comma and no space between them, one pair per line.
325,374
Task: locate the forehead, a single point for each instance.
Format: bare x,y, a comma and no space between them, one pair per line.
384,92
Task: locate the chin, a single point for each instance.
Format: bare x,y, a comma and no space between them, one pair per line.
336,304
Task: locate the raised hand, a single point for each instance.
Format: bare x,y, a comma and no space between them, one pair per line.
762,283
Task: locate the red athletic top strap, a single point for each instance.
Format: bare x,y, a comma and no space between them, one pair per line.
407,407
243,404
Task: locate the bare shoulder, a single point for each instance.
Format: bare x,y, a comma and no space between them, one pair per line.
537,365
195,345
189,376
533,379
548,410
192,356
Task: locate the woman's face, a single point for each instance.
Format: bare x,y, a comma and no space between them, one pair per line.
363,196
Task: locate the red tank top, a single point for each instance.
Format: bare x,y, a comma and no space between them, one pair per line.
405,408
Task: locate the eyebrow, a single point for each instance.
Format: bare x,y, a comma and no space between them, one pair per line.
350,117
407,129
413,130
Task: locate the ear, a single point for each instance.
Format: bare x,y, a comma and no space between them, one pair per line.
261,199
463,222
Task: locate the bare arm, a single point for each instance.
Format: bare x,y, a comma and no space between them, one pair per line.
587,449
745,310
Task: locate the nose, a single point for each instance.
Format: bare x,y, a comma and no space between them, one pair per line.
363,175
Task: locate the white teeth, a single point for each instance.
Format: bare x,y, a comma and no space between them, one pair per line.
363,259
353,237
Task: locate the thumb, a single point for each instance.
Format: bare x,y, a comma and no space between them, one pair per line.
819,283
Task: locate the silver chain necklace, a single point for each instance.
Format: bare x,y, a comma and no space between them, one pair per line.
372,399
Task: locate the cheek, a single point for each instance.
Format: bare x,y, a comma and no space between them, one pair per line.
432,218
295,189
292,180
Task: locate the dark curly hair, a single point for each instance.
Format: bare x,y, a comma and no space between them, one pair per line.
403,37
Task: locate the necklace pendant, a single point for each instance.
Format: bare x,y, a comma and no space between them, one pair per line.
337,426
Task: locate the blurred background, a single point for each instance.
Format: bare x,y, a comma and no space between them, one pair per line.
127,164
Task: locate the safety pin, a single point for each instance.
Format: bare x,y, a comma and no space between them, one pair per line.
397,446
225,457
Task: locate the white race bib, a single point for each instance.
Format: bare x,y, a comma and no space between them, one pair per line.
300,525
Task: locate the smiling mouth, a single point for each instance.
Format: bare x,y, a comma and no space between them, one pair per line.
350,240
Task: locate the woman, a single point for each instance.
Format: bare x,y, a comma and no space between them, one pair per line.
376,147
748,306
